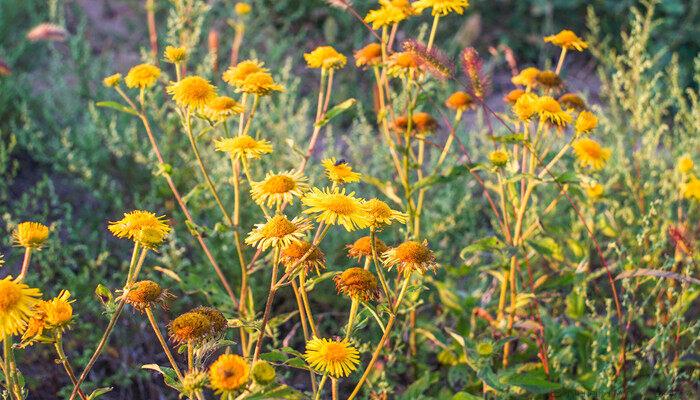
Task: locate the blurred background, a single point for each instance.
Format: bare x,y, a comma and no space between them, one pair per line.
67,163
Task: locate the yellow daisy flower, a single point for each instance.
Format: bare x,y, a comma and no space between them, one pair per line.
278,232
691,190
340,172
336,358
402,64
391,12
325,57
193,92
442,7
17,305
58,311
550,110
459,101
142,76
112,80
141,227
526,77
30,235
513,96
585,122
685,164
236,75
279,188
369,55
260,83
242,8
175,55
333,207
594,190
381,214
498,158
357,283
243,146
228,373
526,106
568,40
590,153
410,256
221,108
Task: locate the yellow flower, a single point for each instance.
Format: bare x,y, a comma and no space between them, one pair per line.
235,76
572,101
410,256
141,227
17,303
142,76
685,164
221,108
175,55
293,254
391,12
58,310
278,232
362,247
339,171
381,214
244,146
193,92
369,55
442,7
591,154
357,283
30,235
325,57
513,96
242,8
228,373
333,207
550,110
402,63
112,80
594,190
279,188
586,122
526,106
691,190
568,40
459,101
526,77
260,83
498,158
336,358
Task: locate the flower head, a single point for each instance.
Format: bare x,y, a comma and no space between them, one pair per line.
260,83
362,247
568,40
228,373
572,101
244,146
548,80
590,153
175,55
279,188
526,106
336,358
193,92
403,63
58,311
144,294
17,305
263,373
594,190
340,172
498,158
190,327
369,55
293,256
141,227
333,207
30,235
685,164
691,190
459,101
142,76
391,12
550,110
112,80
513,96
410,256
325,57
442,7
242,8
221,108
278,232
357,283
381,214
216,318
526,77
236,75
194,382
585,122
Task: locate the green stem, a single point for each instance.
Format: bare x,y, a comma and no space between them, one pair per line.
58,345
320,386
7,349
433,31
163,343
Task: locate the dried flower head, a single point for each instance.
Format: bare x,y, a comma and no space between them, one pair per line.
572,101
216,318
190,327
5,69
548,80
293,257
141,227
145,294
380,214
325,57
442,7
590,153
221,108
362,247
568,40
586,122
431,60
410,256
192,92
112,80
30,235
243,146
228,373
474,71
17,305
369,55
142,76
279,188
357,283
175,55
340,172
334,206
278,232
336,358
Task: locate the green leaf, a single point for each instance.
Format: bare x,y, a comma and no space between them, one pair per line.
418,388
487,244
99,392
169,375
568,177
274,356
452,174
490,378
277,392
465,396
335,111
510,139
116,106
533,382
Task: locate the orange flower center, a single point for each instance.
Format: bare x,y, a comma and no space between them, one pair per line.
279,184
10,295
278,227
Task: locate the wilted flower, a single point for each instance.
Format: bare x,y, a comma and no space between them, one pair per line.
572,101
380,214
362,247
292,255
410,256
357,283
550,110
